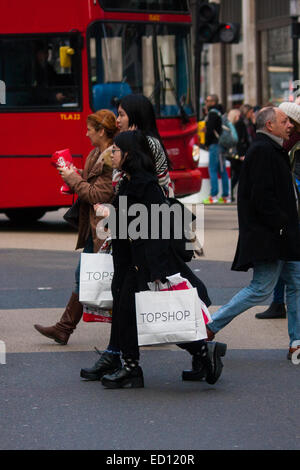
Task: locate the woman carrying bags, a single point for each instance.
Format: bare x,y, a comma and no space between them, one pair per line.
139,261
92,185
135,111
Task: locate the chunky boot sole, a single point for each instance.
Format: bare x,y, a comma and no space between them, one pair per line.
93,376
219,350
193,375
133,382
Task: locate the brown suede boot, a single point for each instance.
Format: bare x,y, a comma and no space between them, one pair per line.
67,324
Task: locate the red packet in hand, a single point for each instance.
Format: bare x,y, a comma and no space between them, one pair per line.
63,159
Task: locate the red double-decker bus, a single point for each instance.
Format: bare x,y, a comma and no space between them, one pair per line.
60,60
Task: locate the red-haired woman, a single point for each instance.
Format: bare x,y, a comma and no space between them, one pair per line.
92,185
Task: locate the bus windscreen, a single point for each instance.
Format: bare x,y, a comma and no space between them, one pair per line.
141,58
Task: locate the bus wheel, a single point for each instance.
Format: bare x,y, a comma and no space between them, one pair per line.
27,215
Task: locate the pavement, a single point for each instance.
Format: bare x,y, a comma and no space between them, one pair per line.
254,405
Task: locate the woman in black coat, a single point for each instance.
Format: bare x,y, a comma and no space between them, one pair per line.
236,160
139,261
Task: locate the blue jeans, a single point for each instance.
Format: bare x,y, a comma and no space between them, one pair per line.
89,248
215,167
265,277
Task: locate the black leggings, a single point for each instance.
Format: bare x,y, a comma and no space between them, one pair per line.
124,329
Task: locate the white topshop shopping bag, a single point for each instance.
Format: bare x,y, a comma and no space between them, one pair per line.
172,316
96,273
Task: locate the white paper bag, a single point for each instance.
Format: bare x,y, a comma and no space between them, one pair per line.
96,273
177,282
169,317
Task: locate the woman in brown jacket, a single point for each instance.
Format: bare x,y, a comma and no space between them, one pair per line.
92,185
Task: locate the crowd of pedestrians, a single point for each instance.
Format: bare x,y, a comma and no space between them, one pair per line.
217,123
129,160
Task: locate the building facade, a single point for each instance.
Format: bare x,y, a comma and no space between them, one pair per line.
262,68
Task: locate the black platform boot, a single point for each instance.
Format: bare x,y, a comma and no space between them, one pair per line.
198,371
213,361
106,364
129,376
206,362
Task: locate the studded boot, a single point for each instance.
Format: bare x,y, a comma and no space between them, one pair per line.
106,364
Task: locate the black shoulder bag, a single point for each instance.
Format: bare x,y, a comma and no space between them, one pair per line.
72,214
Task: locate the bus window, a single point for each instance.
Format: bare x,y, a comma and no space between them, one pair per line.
33,76
148,65
167,71
146,5
141,58
112,59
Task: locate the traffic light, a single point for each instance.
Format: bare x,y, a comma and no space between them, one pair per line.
229,33
208,21
209,30
295,30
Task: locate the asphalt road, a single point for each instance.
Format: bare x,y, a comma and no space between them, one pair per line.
45,404
43,278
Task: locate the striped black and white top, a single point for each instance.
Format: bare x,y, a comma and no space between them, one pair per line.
161,165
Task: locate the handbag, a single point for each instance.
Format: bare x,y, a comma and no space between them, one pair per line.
179,244
96,273
72,214
169,316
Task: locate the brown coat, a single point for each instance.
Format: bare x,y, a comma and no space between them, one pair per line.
94,186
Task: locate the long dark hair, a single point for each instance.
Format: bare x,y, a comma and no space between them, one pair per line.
141,114
138,156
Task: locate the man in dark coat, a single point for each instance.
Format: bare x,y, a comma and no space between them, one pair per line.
269,237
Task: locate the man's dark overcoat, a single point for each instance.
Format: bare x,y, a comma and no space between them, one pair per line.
267,210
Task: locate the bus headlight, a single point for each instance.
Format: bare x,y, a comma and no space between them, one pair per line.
196,153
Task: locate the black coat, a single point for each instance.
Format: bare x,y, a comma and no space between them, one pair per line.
267,211
213,126
152,259
243,142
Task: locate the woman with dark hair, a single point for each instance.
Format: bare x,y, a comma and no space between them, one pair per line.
236,158
141,260
92,184
137,112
